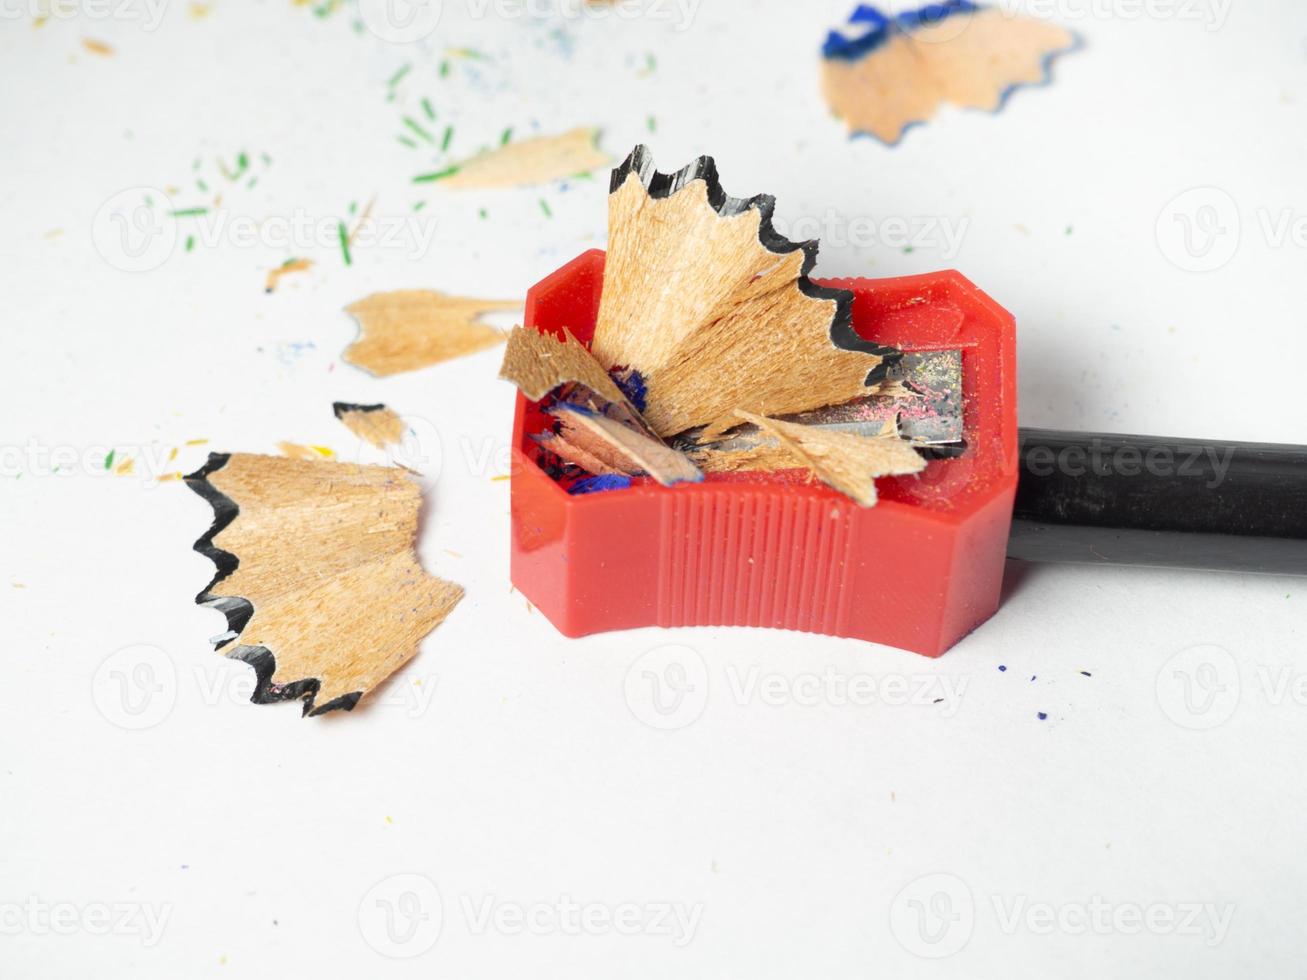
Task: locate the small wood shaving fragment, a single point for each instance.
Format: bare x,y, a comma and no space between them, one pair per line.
414,328
97,47
532,161
285,269
375,424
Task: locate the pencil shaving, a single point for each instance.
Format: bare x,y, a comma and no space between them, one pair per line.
414,328
569,453
375,424
285,269
882,74
540,364
532,161
713,309
317,574
619,448
846,462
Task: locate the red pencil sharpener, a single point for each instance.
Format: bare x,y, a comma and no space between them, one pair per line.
918,571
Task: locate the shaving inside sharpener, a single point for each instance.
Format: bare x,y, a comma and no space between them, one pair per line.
714,352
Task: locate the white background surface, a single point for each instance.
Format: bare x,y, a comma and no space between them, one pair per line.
509,765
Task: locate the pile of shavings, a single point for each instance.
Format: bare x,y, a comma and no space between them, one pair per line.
710,339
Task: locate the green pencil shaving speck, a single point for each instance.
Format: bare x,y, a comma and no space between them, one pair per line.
190,212
1069,229
506,137
483,214
444,69
407,142
908,249
447,139
344,242
242,163
108,460
190,243
652,123
419,206
544,206
413,124
438,175
426,107
253,181
202,186
399,75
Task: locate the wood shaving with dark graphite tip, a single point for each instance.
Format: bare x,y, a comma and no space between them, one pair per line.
317,574
375,424
713,309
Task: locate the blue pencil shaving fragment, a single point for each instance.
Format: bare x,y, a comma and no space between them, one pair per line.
1002,668
599,484
1043,716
